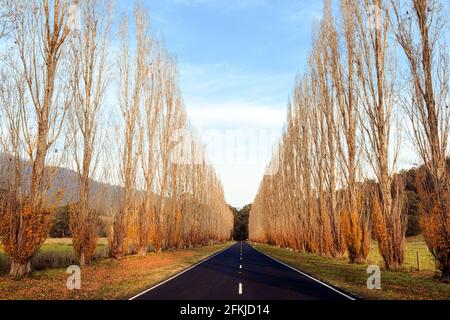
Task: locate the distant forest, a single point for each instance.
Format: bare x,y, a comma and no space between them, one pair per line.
240,231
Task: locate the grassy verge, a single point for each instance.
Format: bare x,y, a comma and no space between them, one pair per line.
106,278
404,284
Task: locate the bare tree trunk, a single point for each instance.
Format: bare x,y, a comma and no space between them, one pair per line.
377,83
39,32
88,58
130,96
19,268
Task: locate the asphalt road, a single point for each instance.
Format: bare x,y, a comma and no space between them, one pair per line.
241,273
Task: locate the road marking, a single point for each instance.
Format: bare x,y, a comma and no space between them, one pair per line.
240,266
308,276
240,288
179,274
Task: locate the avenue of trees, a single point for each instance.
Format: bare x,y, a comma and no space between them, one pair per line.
110,110
377,75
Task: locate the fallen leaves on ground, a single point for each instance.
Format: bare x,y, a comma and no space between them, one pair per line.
105,279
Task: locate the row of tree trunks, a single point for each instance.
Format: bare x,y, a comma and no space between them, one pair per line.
343,128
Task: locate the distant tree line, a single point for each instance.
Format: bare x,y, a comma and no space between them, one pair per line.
240,230
61,224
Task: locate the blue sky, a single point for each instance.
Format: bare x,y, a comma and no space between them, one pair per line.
238,60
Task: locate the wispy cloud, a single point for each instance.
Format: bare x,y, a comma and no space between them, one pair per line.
304,11
235,114
239,114
222,82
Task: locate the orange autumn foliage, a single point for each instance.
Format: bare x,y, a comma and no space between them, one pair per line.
435,226
22,230
84,234
431,230
326,244
356,233
391,247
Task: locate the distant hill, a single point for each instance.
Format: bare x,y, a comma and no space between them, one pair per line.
65,182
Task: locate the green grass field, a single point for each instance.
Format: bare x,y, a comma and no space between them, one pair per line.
55,253
414,246
407,283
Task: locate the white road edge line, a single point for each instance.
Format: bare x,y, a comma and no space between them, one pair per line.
179,274
240,287
307,275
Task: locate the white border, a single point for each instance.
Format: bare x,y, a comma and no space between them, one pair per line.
306,275
179,274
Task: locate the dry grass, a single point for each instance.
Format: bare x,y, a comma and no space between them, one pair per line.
106,278
401,285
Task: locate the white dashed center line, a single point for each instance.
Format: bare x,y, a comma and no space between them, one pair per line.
240,267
